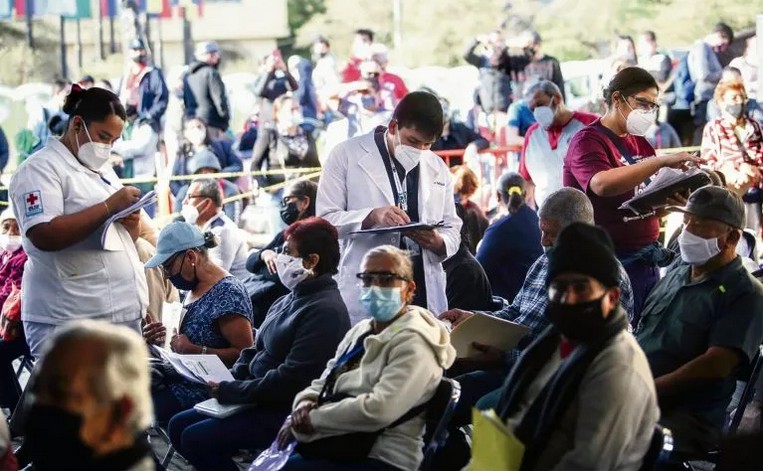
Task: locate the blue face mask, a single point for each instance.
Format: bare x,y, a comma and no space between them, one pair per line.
383,304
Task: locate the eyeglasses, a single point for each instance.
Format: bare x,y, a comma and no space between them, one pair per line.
644,104
383,279
167,266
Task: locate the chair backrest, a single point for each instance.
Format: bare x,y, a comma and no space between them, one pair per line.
439,412
659,449
749,388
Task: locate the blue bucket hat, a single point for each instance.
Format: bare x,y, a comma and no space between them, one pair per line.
174,238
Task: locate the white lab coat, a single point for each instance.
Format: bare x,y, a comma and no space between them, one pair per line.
354,182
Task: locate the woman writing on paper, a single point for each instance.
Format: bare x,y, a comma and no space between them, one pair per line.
62,195
609,159
216,319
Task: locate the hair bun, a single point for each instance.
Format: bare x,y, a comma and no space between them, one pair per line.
73,99
211,240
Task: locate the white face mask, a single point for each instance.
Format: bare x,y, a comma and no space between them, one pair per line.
695,250
290,270
10,243
196,136
190,213
638,122
544,116
407,156
92,155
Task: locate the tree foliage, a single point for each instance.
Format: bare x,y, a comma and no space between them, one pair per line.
300,12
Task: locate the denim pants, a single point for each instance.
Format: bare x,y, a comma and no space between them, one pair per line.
209,443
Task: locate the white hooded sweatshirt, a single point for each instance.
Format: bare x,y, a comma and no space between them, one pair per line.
400,369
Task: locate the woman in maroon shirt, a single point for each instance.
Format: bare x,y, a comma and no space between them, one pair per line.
609,160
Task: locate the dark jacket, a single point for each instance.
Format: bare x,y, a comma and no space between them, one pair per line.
222,148
263,287
152,97
495,77
509,247
467,286
305,93
4,150
299,336
204,95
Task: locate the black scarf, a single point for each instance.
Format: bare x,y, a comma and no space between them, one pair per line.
553,401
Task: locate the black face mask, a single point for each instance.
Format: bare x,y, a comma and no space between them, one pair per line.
289,213
580,323
181,283
53,439
141,59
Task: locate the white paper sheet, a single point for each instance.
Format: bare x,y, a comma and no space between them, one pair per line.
109,237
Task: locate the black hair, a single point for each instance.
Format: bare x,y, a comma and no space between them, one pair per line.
513,199
421,111
628,82
650,34
725,30
466,238
365,32
309,189
93,104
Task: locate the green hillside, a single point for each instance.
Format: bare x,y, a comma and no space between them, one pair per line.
435,31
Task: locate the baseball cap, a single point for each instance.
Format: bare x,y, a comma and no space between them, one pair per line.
206,47
204,158
175,237
714,202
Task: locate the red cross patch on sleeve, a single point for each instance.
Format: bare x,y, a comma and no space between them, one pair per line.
32,203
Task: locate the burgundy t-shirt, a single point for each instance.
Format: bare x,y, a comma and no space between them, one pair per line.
591,152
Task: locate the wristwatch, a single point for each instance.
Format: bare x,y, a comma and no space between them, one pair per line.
203,349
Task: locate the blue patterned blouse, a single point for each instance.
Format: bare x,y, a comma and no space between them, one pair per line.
199,324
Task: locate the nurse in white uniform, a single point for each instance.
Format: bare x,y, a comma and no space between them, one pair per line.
62,196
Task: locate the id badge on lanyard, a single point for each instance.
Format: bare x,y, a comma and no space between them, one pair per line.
402,193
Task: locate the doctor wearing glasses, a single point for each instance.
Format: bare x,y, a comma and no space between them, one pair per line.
62,196
609,160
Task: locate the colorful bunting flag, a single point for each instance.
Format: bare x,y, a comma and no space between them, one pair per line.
6,9
109,8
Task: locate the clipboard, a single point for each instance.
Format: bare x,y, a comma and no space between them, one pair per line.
405,227
666,183
488,330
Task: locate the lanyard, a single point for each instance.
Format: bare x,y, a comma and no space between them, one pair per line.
398,189
619,144
351,354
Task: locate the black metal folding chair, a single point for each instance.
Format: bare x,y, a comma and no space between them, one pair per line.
439,412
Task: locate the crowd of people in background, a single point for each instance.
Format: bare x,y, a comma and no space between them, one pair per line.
337,332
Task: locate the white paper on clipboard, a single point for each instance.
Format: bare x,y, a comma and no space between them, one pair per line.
487,330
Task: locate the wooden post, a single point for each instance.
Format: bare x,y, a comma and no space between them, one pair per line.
99,29
79,45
